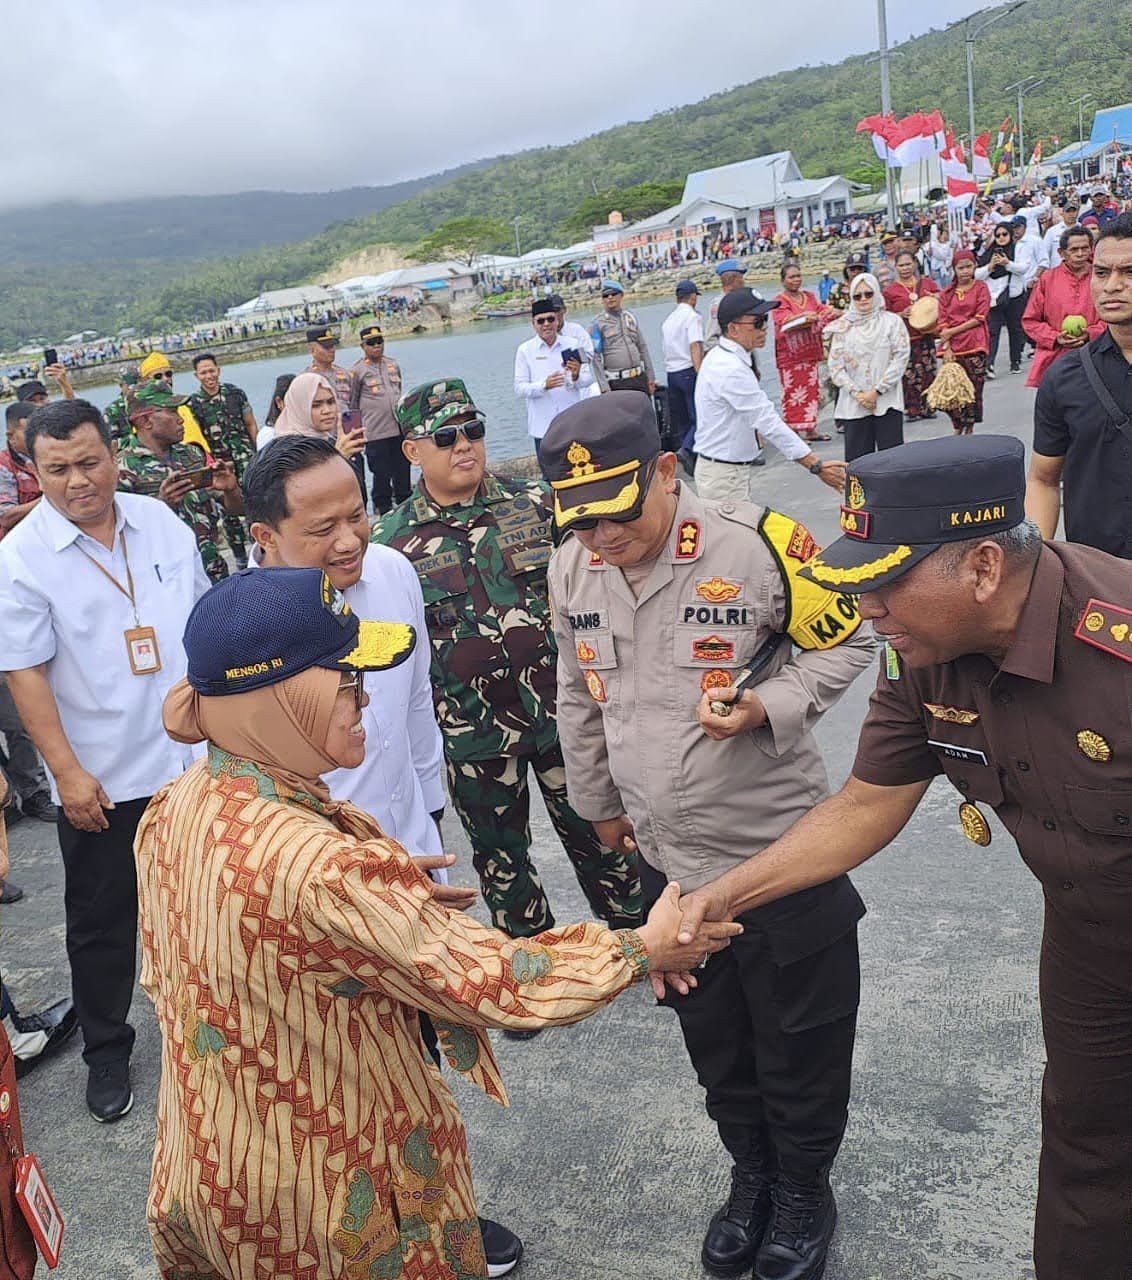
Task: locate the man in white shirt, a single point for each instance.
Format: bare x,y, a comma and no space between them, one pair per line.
544,377
1063,217
731,407
577,336
95,591
682,336
1019,206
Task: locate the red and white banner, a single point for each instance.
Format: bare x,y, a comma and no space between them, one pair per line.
900,143
981,162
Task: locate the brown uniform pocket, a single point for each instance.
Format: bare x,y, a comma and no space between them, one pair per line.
1106,812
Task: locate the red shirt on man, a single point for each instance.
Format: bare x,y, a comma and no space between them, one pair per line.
1057,294
18,483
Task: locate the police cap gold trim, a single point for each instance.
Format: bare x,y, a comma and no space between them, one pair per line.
904,503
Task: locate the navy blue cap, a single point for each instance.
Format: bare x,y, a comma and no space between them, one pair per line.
729,264
611,286
261,626
743,302
322,333
686,288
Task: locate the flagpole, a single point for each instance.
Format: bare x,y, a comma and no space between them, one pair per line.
885,101
969,38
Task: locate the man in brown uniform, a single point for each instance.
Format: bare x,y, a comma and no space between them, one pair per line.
1008,667
377,388
661,601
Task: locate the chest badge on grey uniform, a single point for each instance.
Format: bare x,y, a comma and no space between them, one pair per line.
1094,746
975,827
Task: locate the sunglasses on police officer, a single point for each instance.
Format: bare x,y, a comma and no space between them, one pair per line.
445,437
374,342
585,525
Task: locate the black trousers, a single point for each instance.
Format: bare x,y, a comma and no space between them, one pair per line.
1008,316
682,406
390,471
101,903
772,1044
871,434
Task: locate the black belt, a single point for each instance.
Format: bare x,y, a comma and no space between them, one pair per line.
726,462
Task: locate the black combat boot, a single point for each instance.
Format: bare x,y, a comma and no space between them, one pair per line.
802,1218
733,1237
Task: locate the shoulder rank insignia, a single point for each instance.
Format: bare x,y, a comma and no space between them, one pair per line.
596,685
688,539
718,590
1094,746
595,560
952,715
975,827
1108,627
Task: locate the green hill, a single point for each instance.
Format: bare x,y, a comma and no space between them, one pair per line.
812,111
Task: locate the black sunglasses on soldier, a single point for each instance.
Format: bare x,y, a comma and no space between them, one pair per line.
445,437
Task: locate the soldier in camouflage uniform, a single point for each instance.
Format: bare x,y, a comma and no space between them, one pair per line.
228,424
480,546
154,462
115,411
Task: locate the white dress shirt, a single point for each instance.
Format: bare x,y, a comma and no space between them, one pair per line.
399,783
731,406
1031,212
682,326
535,361
60,610
574,335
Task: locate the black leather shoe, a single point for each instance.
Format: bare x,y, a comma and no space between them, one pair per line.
10,892
108,1093
57,1022
40,807
501,1247
736,1230
802,1219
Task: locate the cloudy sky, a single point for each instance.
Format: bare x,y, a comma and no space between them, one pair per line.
117,98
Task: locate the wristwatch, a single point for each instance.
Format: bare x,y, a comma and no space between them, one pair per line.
815,468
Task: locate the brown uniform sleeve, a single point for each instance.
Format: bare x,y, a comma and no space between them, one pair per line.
893,750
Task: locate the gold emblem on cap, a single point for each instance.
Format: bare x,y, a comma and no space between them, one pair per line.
856,495
975,827
580,460
1094,621
1094,746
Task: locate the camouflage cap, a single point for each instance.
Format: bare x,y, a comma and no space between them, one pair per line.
151,395
432,404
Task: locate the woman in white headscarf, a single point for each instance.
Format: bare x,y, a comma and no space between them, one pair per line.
868,354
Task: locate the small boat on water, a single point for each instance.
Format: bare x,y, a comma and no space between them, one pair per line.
507,313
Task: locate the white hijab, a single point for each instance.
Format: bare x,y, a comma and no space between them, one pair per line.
866,337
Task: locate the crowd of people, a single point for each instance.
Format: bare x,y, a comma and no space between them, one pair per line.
247,667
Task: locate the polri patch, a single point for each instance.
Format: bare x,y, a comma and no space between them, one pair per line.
954,751
716,679
596,685
718,590
586,652
801,545
713,649
1107,626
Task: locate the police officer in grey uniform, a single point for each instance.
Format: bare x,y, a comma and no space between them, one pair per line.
621,356
664,605
730,272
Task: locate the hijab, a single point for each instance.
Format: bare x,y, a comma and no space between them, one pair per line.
281,727
996,247
867,326
295,420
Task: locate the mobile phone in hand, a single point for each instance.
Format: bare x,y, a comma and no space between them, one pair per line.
351,421
50,356
200,479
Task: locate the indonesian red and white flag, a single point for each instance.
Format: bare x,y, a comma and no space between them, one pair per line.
961,192
980,160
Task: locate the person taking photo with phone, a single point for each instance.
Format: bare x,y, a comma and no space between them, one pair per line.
550,375
310,408
155,462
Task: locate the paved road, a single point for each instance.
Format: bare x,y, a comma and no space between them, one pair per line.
605,1162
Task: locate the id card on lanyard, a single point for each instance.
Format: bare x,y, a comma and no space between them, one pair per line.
141,642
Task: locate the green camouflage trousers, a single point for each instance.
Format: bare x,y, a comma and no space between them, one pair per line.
236,531
493,801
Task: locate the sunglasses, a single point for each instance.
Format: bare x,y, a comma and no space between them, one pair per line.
625,517
356,682
445,437
166,376
546,319
374,342
865,293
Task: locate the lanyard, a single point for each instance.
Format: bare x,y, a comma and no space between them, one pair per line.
128,590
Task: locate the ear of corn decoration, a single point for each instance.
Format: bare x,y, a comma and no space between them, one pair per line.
952,388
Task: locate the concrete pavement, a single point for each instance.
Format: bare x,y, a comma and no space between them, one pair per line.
605,1162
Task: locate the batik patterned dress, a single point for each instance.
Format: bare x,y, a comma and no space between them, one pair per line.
287,945
922,366
798,353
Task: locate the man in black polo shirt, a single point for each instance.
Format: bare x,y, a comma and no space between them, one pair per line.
1083,417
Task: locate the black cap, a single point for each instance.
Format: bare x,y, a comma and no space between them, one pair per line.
743,302
261,626
902,504
322,333
542,307
858,258
595,454
370,331
26,390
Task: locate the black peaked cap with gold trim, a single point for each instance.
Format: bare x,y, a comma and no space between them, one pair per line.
595,455
904,503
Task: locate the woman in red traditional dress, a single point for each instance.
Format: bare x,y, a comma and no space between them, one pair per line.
798,352
964,334
899,297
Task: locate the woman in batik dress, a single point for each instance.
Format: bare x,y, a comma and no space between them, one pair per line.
798,352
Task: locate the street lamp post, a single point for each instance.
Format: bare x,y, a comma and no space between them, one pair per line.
1080,104
886,102
515,223
1024,86
969,38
